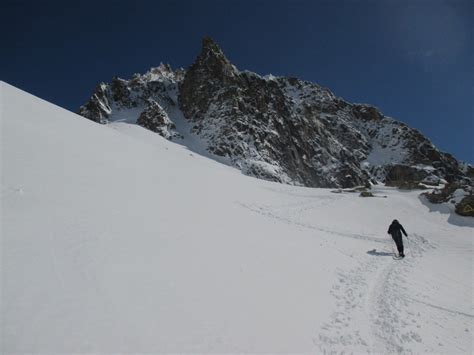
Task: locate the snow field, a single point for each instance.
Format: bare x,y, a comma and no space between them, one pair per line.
115,240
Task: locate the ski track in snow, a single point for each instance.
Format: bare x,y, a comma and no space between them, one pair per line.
375,292
265,211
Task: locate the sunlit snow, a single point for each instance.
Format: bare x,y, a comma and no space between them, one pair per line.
119,241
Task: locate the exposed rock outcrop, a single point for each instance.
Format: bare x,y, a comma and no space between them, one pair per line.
275,128
456,194
155,118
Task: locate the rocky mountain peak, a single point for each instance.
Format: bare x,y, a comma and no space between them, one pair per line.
208,73
212,64
212,56
209,45
275,128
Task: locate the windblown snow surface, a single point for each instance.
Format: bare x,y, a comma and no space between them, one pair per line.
118,241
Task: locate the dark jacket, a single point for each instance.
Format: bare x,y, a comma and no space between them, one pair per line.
396,229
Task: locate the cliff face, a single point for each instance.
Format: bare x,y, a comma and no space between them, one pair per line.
281,129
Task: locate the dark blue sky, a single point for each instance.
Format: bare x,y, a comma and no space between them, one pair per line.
412,59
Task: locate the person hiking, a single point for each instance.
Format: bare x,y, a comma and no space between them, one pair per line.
396,230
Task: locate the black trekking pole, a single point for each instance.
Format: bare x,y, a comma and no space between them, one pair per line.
408,246
392,246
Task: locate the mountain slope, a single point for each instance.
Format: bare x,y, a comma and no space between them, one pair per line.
119,241
279,129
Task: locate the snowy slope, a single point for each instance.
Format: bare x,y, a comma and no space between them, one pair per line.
119,241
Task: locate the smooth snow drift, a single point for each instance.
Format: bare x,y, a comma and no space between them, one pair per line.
118,241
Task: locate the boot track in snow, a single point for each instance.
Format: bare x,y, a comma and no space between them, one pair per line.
373,293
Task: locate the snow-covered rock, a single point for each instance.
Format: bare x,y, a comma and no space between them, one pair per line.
155,118
275,128
455,196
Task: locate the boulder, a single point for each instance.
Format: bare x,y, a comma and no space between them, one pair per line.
466,206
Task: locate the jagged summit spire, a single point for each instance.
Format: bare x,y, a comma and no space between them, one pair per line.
210,70
208,44
212,56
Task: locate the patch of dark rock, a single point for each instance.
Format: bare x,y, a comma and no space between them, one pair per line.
466,206
442,195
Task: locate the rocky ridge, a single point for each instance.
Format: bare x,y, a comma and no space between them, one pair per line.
275,128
